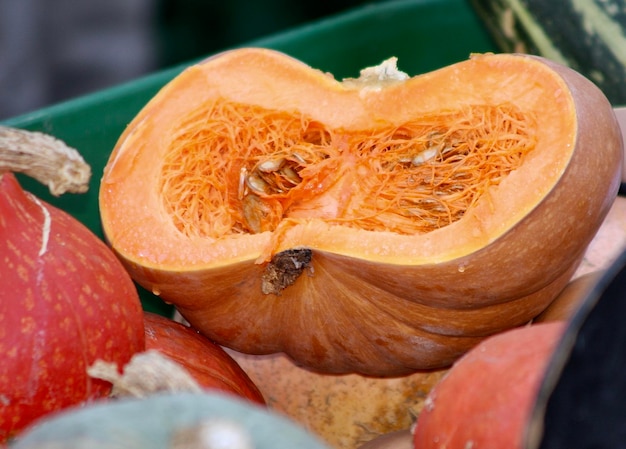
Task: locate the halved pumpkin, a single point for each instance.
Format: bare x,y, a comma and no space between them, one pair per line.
377,225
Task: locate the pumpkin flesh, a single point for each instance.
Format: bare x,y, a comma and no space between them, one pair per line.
342,109
325,176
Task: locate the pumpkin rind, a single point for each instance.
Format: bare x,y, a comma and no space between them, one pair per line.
65,300
568,301
374,302
206,361
485,399
153,421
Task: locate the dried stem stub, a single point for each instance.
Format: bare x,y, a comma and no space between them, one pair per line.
147,372
150,372
44,158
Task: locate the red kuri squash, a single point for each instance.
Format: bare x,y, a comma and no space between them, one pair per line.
486,399
206,361
65,299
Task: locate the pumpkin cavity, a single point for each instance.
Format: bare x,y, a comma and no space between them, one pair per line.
240,168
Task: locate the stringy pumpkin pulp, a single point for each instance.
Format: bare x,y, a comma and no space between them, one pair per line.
235,168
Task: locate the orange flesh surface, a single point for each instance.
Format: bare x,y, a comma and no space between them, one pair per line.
238,161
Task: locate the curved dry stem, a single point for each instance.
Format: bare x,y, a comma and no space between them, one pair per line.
44,158
147,372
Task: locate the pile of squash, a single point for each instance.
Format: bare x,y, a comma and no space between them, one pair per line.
339,250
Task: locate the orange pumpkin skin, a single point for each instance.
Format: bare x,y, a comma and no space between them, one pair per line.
206,361
65,302
486,398
568,301
372,302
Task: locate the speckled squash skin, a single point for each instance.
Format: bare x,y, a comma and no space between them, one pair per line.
400,439
344,410
155,422
486,398
65,301
207,362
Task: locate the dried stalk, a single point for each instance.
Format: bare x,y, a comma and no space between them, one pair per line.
147,373
44,158
150,372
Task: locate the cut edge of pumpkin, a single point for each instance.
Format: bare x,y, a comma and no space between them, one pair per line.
146,237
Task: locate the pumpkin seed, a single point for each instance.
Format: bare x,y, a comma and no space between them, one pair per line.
257,184
291,175
270,165
259,215
425,155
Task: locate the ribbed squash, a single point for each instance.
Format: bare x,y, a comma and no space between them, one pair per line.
376,225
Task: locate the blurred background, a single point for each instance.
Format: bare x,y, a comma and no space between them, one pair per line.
54,50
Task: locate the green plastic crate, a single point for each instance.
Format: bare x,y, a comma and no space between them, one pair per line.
423,34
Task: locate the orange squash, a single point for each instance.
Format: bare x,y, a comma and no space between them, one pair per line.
65,299
486,399
376,225
206,362
568,301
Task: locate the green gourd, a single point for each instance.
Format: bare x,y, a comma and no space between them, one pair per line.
157,422
587,35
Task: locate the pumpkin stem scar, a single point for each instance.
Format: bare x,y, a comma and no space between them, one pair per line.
284,269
